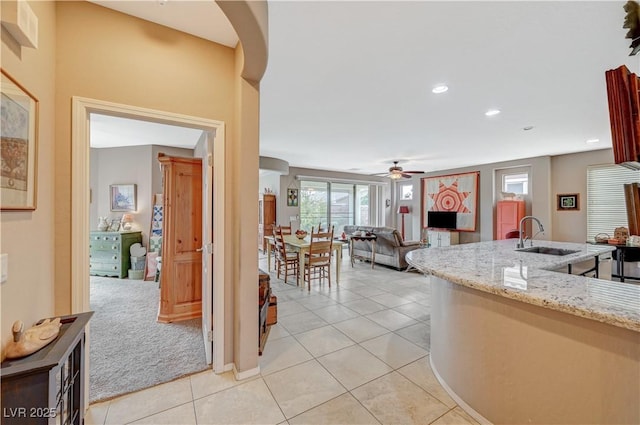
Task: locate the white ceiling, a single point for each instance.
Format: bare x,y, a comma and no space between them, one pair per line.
348,84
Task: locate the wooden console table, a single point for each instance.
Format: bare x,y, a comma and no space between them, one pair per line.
370,238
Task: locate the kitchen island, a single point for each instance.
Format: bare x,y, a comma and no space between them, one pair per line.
515,341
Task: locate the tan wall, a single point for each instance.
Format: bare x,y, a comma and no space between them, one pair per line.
569,175
28,237
244,160
140,64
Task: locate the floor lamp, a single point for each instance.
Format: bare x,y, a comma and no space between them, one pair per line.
402,210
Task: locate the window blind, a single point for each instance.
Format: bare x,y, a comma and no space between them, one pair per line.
606,208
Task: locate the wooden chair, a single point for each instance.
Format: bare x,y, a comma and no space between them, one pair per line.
285,260
317,262
286,230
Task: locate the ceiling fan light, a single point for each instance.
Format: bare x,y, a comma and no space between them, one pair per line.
441,88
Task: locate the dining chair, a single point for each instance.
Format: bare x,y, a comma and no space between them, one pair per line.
286,230
285,260
317,261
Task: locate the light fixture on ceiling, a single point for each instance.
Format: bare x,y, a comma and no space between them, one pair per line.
441,88
492,112
591,141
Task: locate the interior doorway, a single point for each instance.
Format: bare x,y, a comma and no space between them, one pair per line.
82,108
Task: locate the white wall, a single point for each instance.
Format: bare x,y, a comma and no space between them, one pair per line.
549,176
283,212
136,165
569,175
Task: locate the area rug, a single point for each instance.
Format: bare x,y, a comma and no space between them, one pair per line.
129,349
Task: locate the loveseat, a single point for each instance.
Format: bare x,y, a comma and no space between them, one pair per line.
390,247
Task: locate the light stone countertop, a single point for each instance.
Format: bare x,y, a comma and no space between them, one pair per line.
497,268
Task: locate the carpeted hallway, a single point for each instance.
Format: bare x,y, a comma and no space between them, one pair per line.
129,349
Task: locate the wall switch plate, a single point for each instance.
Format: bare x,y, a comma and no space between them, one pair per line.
4,267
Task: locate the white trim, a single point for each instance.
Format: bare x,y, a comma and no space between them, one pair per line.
81,108
341,180
468,409
246,374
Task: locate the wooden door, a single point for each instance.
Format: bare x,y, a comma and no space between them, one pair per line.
268,216
181,276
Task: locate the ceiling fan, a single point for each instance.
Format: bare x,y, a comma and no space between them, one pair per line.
396,172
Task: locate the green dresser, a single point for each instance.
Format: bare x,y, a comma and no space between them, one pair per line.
109,252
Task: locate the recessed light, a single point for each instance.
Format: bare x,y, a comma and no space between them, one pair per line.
440,89
527,128
593,141
492,112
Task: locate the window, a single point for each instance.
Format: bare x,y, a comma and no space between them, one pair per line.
406,192
516,183
336,203
606,207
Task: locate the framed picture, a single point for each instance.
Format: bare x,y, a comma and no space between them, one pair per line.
456,194
292,197
123,197
114,226
569,202
18,146
406,192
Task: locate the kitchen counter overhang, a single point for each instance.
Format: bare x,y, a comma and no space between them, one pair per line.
498,268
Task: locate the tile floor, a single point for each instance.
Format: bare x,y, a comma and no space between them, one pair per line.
357,353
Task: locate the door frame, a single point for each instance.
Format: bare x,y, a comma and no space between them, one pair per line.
81,108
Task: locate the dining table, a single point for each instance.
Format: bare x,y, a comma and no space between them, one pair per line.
301,246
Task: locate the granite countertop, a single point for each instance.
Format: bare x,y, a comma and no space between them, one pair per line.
497,268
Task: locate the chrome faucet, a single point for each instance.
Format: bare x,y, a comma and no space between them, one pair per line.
522,239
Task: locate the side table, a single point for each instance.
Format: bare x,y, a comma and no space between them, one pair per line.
370,238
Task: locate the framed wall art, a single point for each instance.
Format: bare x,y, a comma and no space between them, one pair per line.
292,197
123,197
18,146
456,194
568,202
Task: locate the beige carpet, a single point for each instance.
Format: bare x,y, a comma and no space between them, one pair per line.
129,349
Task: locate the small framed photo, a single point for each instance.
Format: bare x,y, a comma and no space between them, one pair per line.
406,192
292,197
123,197
568,202
114,226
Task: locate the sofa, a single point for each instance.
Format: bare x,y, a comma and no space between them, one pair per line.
390,247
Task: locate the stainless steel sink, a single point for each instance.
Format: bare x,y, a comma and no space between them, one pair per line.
547,250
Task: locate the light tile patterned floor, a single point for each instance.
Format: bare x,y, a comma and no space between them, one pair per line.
357,353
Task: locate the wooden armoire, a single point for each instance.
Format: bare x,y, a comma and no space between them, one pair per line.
508,216
181,275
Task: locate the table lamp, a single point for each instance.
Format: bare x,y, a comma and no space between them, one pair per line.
402,210
127,219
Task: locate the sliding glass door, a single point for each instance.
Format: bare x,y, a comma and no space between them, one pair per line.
313,204
334,203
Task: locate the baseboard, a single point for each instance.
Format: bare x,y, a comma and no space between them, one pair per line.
468,409
245,374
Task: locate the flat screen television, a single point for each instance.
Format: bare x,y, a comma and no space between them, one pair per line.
441,219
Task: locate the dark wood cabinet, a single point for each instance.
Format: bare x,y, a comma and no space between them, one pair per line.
267,218
47,387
